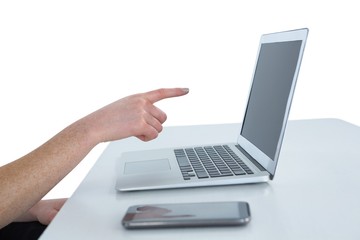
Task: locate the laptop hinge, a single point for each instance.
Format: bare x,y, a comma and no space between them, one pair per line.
250,158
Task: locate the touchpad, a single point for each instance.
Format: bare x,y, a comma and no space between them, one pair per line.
148,166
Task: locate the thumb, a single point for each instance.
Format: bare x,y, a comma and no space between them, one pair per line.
48,217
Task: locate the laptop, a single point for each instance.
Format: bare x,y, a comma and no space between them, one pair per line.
254,157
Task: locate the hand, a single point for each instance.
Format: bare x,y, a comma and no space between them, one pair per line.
134,115
45,210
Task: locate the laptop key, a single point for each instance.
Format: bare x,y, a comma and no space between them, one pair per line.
239,172
201,174
183,161
215,174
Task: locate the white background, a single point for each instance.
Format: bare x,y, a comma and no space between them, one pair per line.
60,60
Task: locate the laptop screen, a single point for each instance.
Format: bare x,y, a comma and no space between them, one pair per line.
269,94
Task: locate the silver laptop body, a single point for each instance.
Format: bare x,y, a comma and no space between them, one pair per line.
253,158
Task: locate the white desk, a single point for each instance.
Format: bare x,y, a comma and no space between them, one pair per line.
301,202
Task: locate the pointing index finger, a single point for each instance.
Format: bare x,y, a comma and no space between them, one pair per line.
162,93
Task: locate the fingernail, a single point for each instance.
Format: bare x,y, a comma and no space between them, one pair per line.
185,90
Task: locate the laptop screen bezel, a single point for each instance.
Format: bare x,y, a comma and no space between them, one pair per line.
264,160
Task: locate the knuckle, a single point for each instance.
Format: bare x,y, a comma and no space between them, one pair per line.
161,92
140,102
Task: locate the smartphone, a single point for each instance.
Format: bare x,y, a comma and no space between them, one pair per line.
203,214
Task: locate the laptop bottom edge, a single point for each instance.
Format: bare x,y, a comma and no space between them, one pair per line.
123,187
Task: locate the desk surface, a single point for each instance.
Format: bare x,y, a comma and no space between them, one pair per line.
315,193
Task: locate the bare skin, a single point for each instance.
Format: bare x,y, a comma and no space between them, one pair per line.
24,182
43,211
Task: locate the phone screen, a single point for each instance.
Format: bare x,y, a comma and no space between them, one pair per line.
187,215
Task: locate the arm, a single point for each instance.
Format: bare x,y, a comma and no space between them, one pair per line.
25,181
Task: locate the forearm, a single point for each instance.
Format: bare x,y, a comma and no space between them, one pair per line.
28,216
25,181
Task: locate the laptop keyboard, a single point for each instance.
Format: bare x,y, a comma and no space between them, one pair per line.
210,162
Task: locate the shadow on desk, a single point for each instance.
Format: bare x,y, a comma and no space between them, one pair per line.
222,193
